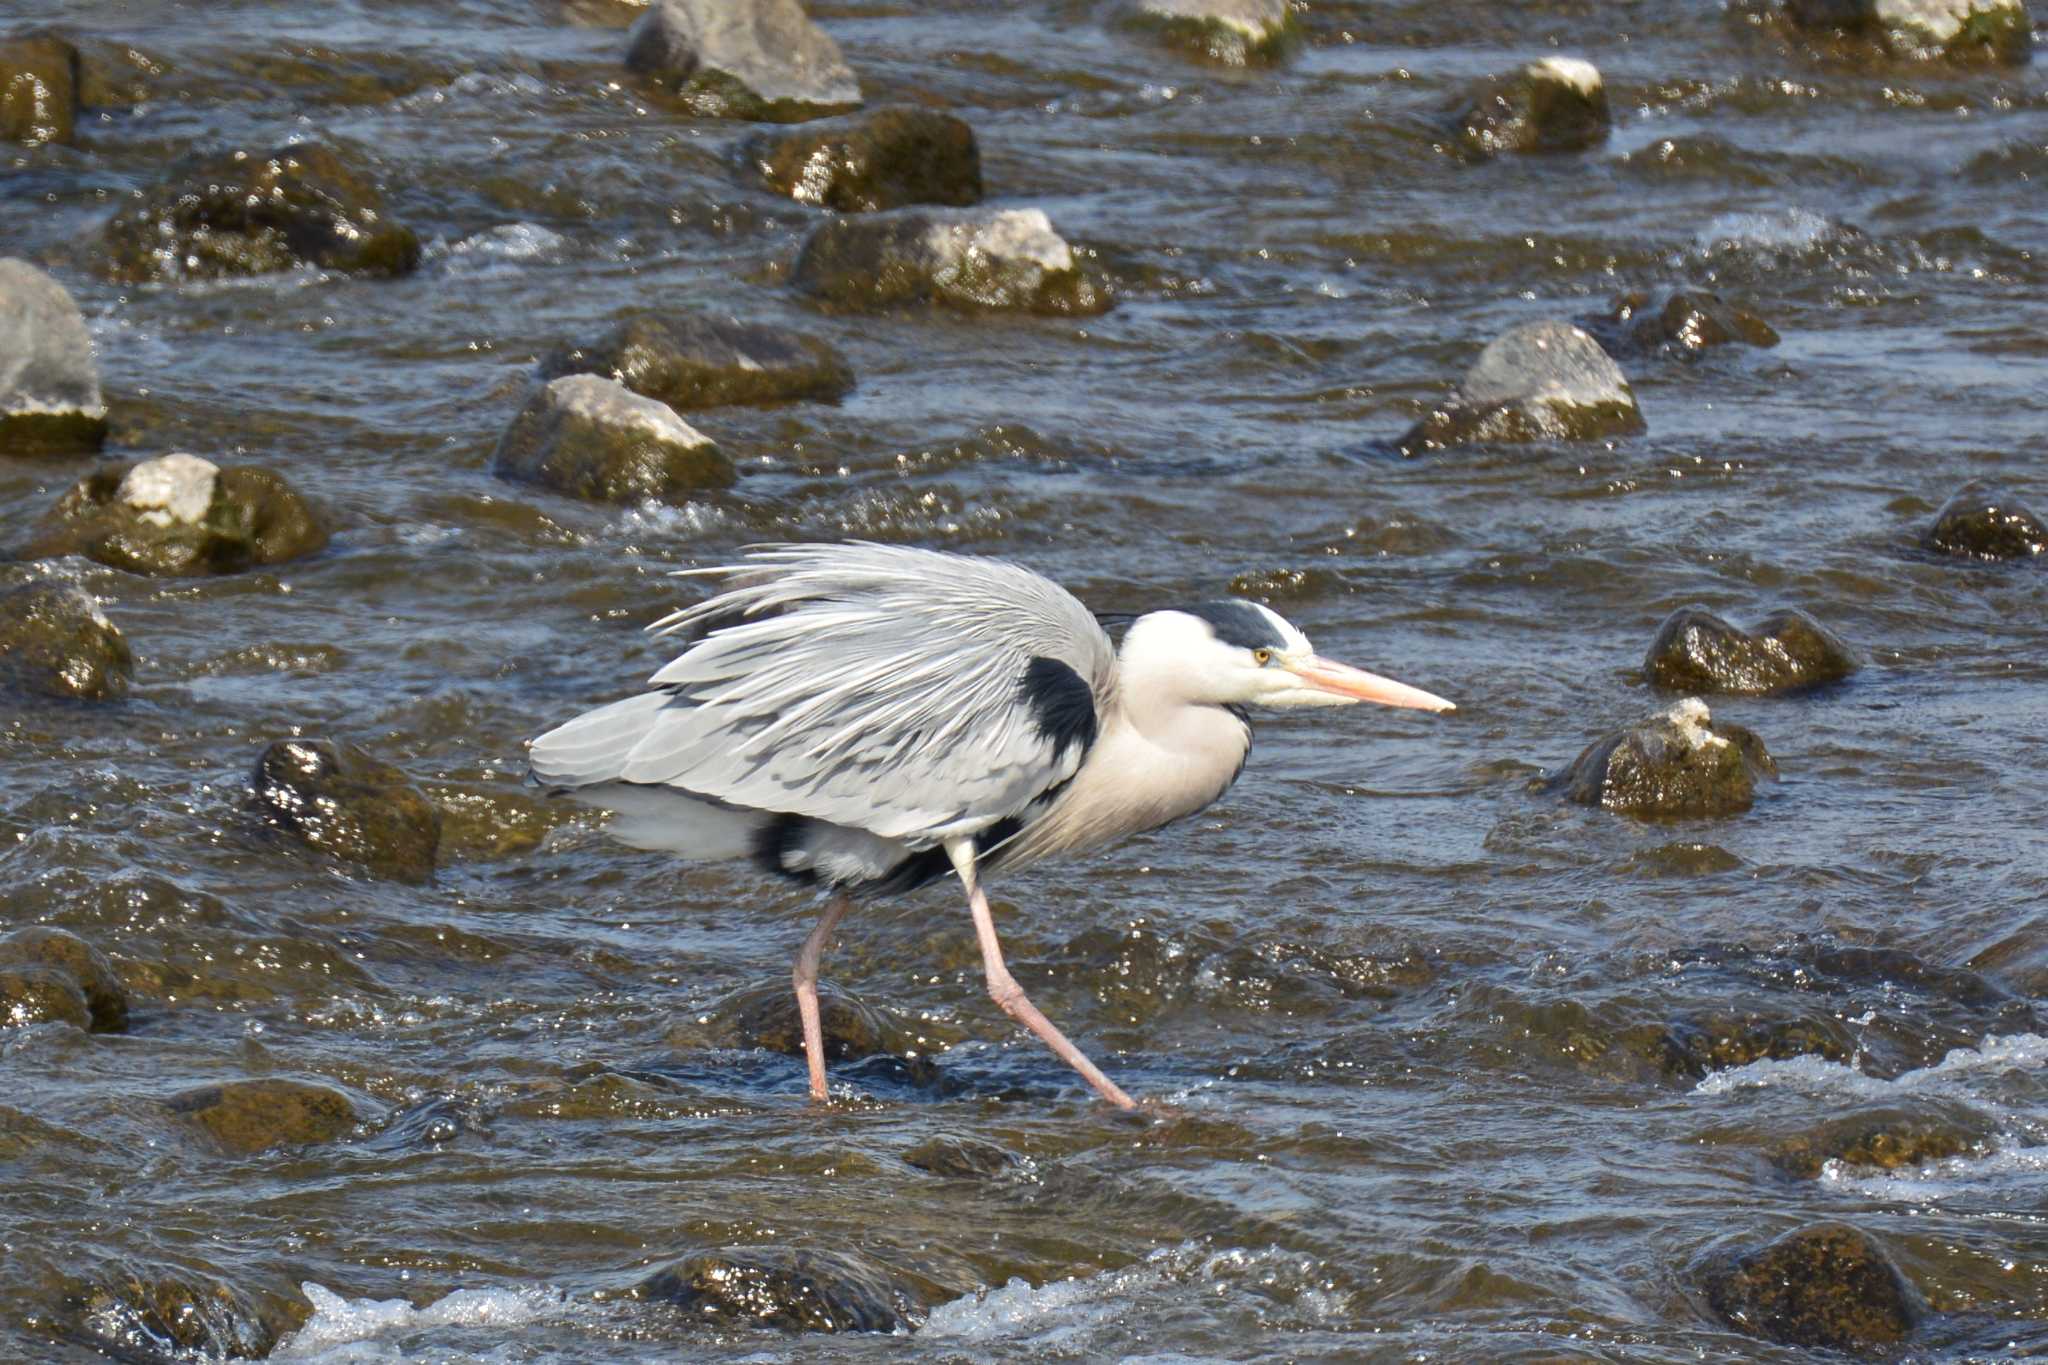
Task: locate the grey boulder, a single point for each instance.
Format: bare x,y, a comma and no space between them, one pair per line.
56,642
1230,32
594,438
745,59
1674,765
694,360
1952,30
49,385
984,260
1543,381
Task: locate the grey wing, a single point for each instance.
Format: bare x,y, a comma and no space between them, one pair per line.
916,695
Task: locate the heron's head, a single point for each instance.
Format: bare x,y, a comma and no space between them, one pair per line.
1238,653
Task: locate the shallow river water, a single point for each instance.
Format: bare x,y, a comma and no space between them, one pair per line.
1454,1071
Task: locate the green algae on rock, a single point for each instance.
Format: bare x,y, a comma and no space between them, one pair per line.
1829,1286
345,803
1984,521
745,59
245,1117
1674,765
39,80
885,158
982,260
798,1289
56,642
1952,30
693,360
84,966
1696,651
49,385
594,438
1228,32
1542,381
251,214
1553,104
1886,1138
179,515
40,995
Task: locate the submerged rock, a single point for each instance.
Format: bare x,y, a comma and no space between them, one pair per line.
49,385
78,962
1983,521
1687,321
1956,30
40,995
1543,381
1828,1286
1232,32
244,1117
952,1158
193,1314
1675,764
347,804
884,159
1554,104
799,1289
1691,1048
692,360
1697,651
747,59
39,83
1886,1138
980,259
56,642
594,438
246,214
179,515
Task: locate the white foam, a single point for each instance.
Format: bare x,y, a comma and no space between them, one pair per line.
505,244
345,1331
1787,229
1816,1075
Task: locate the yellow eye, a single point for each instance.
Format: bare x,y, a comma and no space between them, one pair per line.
1262,657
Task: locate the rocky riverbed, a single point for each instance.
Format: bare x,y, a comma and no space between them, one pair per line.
1663,383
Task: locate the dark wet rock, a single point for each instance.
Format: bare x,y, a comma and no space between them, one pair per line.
249,213
1697,651
1554,104
179,515
1828,1286
1543,381
693,360
798,1289
1955,30
244,1117
77,961
1676,764
136,1313
1691,1049
49,385
347,804
1886,1138
883,159
56,642
40,995
39,82
1687,321
1232,32
113,74
956,1158
977,259
748,59
1983,521
592,437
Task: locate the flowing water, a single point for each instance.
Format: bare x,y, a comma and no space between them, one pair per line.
1454,1071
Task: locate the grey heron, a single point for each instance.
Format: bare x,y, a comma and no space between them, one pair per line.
866,718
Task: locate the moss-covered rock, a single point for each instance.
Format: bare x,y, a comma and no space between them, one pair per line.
49,385
882,159
1229,32
57,950
1829,1287
1692,1048
1678,764
1553,104
38,89
1684,321
801,1290
40,995
1886,1138
56,642
594,438
1697,651
1543,381
1984,521
975,259
693,360
244,1117
1949,30
746,59
179,516
251,213
347,804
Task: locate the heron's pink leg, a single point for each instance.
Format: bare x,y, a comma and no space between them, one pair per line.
1006,992
806,976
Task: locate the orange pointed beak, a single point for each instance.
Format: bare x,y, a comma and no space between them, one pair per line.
1342,680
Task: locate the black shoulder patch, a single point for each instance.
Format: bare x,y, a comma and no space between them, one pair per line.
775,838
1061,703
1240,624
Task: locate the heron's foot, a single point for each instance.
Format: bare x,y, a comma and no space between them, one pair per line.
1158,1110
